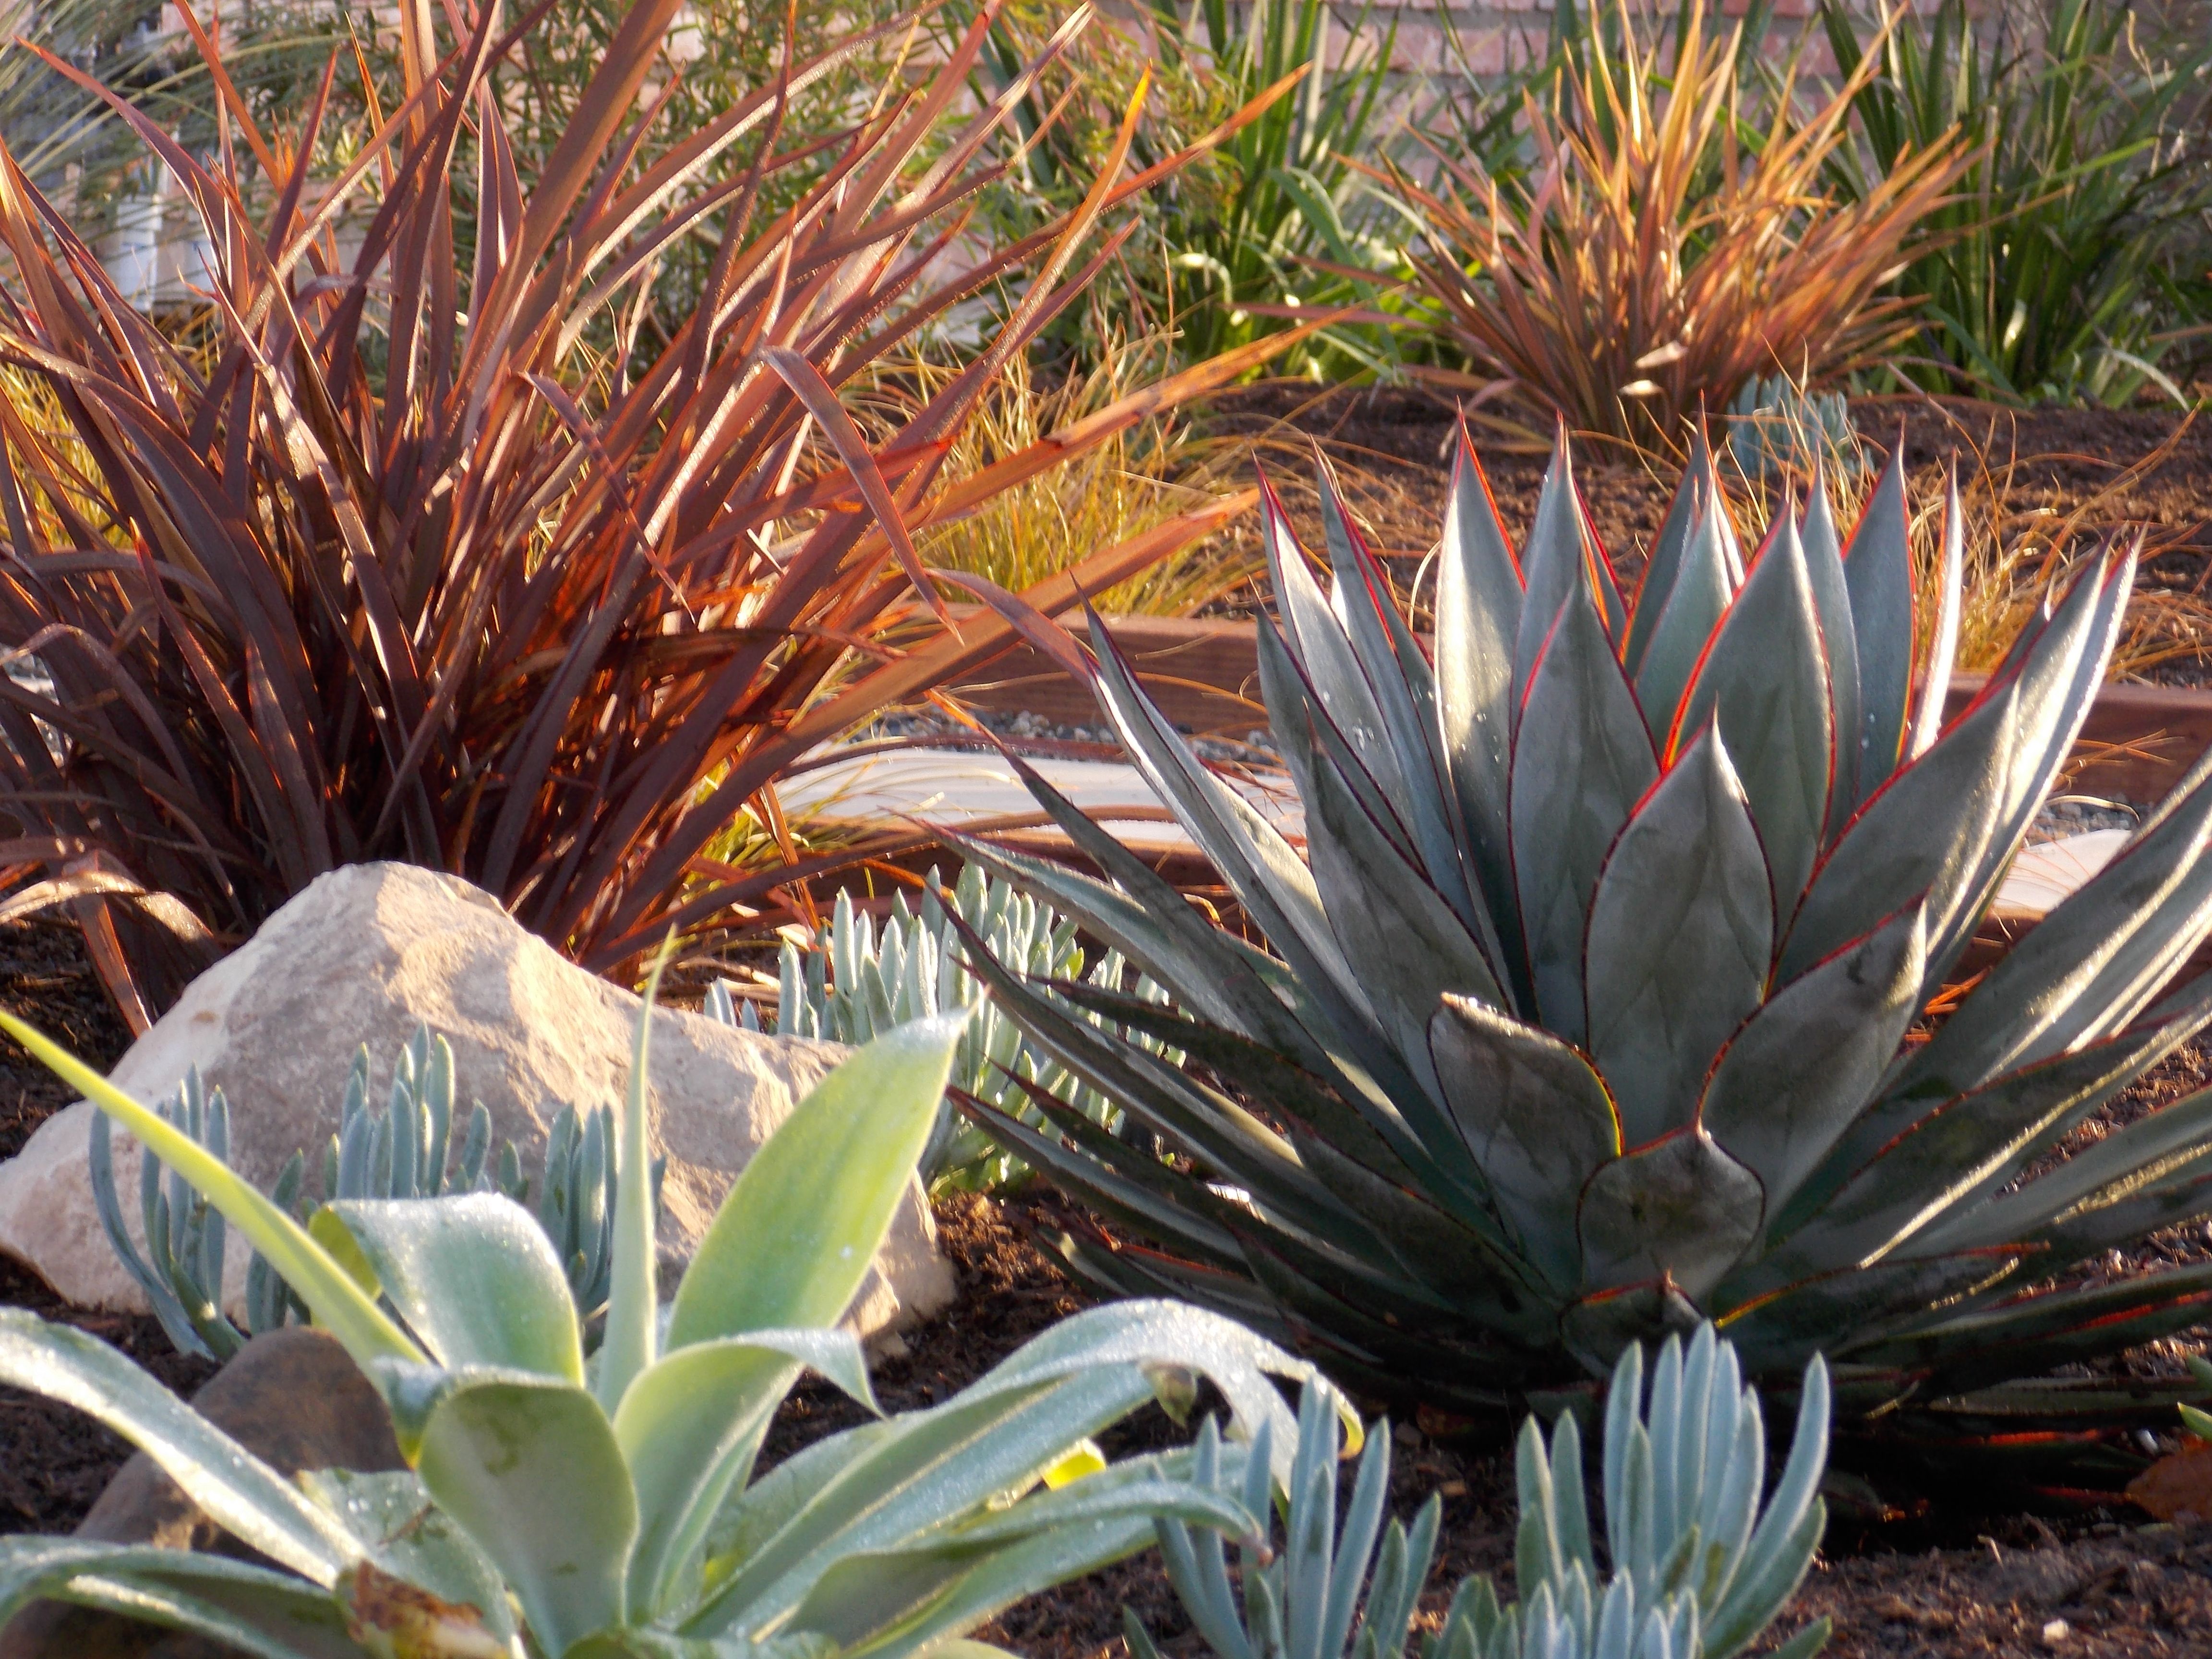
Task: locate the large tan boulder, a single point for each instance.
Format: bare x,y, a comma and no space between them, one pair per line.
362,956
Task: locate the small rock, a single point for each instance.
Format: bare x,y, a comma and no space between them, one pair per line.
362,955
2055,1633
295,1400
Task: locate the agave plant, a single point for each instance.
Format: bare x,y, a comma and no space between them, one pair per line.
1698,1570
404,1152
1592,1001
463,564
590,1509
853,985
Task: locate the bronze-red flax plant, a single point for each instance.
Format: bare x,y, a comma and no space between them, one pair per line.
448,565
1664,249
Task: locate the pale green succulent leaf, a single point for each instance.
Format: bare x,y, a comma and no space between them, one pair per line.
1788,1084
408,1537
1679,1208
474,1278
629,1342
240,1493
1582,760
691,1424
1535,1115
1681,935
242,1607
1763,681
531,1470
796,1236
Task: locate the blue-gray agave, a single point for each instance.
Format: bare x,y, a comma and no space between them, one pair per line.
606,1508
1589,1010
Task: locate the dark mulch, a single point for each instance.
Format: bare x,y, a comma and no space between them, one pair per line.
47,978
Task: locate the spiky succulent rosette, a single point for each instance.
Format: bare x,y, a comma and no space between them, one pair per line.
1589,1003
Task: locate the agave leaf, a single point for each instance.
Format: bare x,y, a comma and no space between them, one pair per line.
1785,1328
1664,564
1174,1213
473,1275
1263,1072
242,1494
1405,690
1596,1329
1478,615
1832,598
1765,681
1386,916
690,1424
1878,574
242,1607
1681,934
796,1235
1943,647
1949,1157
1264,871
1149,923
1789,1083
1463,1265
1696,602
1679,1209
1970,779
1325,655
2032,774
2092,964
2024,1336
1536,1117
1554,569
2156,1161
531,1469
1581,761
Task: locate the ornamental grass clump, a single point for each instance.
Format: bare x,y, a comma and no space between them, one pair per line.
1667,245
457,562
1592,1006
605,1507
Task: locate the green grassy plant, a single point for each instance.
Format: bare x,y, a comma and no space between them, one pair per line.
2051,272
